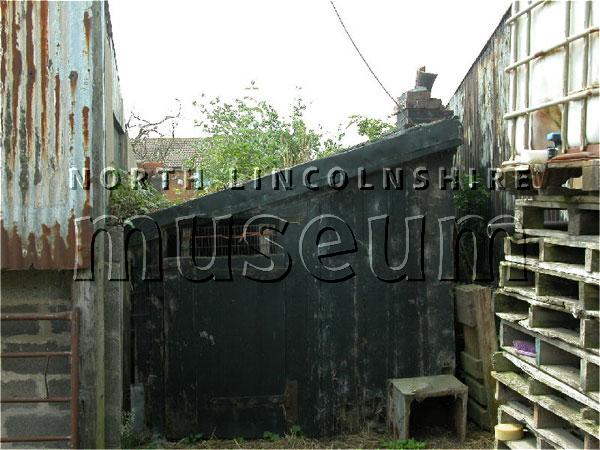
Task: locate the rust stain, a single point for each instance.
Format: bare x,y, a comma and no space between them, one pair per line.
70,251
45,74
31,252
4,257
87,25
61,251
57,116
72,122
23,159
73,80
12,252
37,174
84,250
17,68
86,128
44,260
31,73
47,249
4,39
82,253
86,180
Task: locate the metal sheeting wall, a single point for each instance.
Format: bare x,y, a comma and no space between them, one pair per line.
49,80
480,102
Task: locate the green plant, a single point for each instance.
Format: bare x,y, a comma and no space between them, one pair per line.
296,431
192,439
128,436
471,199
404,444
155,441
372,129
129,199
270,436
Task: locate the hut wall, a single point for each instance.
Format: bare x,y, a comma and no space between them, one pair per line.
238,357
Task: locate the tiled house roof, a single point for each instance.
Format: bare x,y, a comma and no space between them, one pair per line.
172,152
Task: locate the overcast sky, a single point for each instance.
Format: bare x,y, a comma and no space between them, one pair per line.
180,49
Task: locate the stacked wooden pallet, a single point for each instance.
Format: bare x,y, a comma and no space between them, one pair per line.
547,369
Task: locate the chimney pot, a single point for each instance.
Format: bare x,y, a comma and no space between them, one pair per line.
416,105
425,79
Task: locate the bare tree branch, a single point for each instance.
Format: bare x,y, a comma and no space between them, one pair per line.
146,130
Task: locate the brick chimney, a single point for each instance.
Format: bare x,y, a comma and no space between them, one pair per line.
416,106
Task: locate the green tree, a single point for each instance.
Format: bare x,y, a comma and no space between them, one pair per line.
372,129
252,137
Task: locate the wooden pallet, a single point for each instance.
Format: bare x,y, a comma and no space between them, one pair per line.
522,249
541,404
549,297
564,255
576,328
580,214
568,369
572,290
555,433
586,171
582,175
517,179
573,254
515,270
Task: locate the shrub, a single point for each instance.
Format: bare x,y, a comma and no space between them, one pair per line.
127,201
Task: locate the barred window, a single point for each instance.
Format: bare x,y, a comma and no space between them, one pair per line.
258,240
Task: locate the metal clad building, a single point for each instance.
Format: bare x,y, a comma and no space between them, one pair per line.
480,102
61,110
59,76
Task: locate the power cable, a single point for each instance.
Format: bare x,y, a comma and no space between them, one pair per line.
361,55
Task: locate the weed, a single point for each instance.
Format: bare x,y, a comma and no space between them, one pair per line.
129,437
270,436
402,444
156,441
134,439
192,439
296,431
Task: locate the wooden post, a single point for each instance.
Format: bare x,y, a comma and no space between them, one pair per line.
474,314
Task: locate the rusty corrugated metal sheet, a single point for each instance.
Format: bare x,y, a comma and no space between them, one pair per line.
480,103
46,76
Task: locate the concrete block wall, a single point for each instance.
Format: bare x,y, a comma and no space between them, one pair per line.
35,291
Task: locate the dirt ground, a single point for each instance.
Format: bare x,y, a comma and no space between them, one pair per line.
432,438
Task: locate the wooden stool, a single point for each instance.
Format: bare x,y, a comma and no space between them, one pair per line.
450,393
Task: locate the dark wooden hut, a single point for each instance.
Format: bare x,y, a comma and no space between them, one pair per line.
356,258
